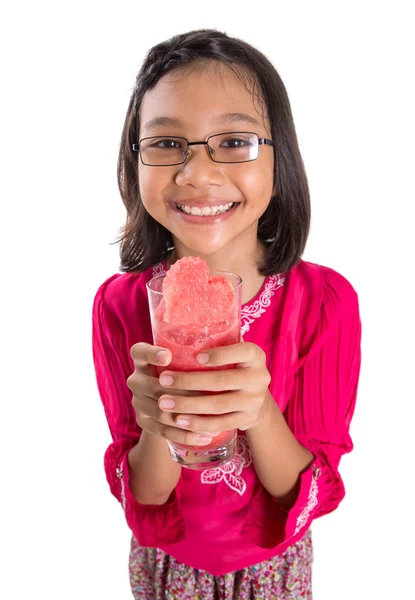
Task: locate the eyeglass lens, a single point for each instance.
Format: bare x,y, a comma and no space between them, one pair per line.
224,147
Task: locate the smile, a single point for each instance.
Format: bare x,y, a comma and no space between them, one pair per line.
205,211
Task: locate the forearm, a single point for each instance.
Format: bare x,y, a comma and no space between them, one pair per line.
153,474
278,458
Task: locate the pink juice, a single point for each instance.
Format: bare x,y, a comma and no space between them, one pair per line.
185,343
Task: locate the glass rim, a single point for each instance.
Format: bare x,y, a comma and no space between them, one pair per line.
260,141
211,271
181,137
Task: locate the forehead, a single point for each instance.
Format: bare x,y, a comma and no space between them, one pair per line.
202,99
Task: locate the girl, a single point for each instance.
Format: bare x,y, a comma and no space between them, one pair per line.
209,166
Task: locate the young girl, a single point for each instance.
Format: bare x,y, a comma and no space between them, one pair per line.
209,166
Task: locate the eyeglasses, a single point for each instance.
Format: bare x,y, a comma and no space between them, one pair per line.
233,147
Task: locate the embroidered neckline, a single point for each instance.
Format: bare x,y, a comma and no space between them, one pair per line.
257,306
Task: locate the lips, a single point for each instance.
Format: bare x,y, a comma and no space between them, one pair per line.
203,210
203,206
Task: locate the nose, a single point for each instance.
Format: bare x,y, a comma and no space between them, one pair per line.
199,170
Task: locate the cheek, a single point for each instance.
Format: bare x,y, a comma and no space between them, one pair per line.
152,182
146,180
257,186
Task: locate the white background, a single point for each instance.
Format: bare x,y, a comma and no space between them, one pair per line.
68,70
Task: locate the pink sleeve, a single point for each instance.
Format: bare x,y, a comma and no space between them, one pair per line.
319,414
152,525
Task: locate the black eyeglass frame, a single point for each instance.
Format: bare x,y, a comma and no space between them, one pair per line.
261,142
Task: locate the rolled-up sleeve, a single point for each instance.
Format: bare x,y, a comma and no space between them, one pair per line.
319,413
152,525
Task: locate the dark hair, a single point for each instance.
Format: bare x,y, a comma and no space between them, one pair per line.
284,226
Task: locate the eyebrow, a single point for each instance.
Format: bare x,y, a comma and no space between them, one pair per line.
232,118
238,118
162,122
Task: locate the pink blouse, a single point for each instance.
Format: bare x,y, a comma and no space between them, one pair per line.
223,519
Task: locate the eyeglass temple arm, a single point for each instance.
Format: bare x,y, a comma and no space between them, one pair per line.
262,141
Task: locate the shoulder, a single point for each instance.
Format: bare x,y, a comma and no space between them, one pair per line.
122,292
317,299
112,290
121,306
323,285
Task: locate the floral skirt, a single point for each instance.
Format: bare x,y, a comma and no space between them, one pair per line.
154,575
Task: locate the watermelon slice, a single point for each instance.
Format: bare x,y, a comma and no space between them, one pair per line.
193,298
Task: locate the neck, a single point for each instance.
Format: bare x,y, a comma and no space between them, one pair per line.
234,260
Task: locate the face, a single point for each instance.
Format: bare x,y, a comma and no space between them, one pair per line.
196,105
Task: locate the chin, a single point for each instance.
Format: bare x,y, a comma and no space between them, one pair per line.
200,247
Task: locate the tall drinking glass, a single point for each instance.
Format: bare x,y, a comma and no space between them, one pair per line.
185,343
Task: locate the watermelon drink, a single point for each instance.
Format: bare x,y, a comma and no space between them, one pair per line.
193,310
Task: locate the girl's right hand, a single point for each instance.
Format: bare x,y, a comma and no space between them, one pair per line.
147,390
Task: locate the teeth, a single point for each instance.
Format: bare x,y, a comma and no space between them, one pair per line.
206,211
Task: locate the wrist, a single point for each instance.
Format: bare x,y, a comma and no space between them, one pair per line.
268,407
153,474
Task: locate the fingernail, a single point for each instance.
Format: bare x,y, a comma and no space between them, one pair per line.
167,403
202,358
166,380
162,355
215,434
182,422
204,439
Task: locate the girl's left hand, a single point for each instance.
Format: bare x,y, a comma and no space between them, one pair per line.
242,403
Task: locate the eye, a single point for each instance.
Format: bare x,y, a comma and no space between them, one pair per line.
235,142
167,144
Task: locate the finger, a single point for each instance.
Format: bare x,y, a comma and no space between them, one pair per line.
217,404
177,435
244,354
142,384
147,408
151,418
213,424
212,381
146,354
